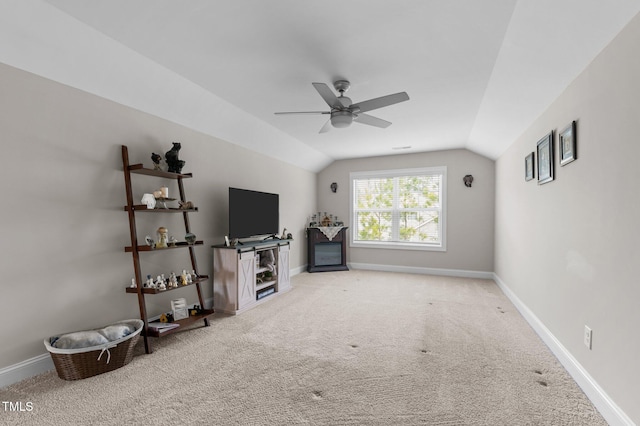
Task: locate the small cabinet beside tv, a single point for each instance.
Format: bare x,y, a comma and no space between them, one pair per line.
240,282
326,254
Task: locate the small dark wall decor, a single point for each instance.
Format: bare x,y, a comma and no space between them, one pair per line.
468,180
567,144
334,187
545,159
530,166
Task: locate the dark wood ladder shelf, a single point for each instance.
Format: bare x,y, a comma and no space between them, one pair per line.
178,245
146,290
183,324
135,249
141,170
144,208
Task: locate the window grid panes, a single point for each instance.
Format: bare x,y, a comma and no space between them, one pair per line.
403,207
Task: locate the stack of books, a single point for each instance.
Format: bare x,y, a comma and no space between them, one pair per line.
161,327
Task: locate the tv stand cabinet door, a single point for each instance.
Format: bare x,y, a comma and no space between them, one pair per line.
225,273
246,279
284,279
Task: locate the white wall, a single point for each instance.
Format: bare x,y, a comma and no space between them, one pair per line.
569,249
469,215
64,228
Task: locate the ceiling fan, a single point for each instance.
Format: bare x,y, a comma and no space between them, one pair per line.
343,112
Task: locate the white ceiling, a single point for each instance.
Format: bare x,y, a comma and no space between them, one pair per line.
478,72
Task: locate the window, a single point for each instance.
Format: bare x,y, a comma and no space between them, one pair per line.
399,209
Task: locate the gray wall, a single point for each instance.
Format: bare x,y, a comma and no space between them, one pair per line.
470,210
569,249
64,228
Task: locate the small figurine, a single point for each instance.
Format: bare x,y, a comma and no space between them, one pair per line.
156,158
326,220
162,234
174,164
284,233
163,318
185,205
162,286
173,280
183,277
186,277
133,283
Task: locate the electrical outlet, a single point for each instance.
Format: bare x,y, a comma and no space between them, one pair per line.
587,336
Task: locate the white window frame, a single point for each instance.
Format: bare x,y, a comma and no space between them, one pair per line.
441,246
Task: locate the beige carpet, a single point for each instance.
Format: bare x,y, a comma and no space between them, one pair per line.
342,348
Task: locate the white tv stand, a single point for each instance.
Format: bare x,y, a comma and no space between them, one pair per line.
240,283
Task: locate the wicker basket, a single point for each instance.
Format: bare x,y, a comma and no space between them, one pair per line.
75,364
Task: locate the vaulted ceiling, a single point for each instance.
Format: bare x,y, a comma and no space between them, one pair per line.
478,73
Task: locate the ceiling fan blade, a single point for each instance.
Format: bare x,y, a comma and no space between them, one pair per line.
380,102
327,94
326,127
303,112
372,121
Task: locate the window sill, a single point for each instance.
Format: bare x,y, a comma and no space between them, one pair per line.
397,246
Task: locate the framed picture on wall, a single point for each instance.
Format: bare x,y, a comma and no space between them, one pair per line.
530,166
567,144
545,159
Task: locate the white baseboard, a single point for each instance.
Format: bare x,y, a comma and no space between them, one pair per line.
426,271
605,405
25,369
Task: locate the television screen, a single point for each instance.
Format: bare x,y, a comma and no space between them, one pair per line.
253,213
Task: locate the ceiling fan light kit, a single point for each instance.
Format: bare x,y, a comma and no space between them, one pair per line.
343,112
341,119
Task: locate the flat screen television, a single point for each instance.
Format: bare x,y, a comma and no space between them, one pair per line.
253,214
